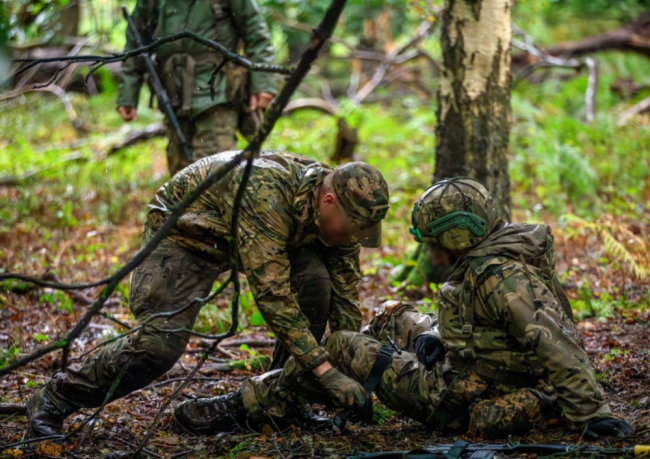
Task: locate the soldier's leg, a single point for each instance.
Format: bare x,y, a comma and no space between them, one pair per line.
176,158
310,280
437,397
272,399
214,131
168,280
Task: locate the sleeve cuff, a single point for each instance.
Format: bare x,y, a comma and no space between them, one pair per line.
263,82
313,358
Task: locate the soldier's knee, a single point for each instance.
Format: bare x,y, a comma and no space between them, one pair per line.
513,413
338,341
160,351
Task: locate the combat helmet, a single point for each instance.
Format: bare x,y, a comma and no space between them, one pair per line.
455,213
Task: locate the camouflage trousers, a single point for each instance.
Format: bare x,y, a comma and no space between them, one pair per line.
210,132
441,398
168,280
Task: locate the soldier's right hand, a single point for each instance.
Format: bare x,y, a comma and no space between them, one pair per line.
128,113
429,350
344,391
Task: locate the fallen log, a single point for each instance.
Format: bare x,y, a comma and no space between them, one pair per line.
12,408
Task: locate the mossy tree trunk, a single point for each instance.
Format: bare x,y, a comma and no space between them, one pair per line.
474,96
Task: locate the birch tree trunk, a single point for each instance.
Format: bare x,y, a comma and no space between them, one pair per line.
473,113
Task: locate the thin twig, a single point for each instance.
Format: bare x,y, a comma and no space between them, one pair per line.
102,60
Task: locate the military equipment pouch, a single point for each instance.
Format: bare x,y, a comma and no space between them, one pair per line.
178,76
237,84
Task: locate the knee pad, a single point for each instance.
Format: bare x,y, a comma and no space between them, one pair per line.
512,413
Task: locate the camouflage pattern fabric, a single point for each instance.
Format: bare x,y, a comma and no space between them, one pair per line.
402,322
168,280
209,112
364,193
456,213
227,21
213,131
441,398
509,343
499,315
279,211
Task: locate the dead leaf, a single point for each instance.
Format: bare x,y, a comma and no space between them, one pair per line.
48,448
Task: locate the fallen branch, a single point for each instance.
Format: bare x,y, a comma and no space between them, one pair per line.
136,136
634,110
12,408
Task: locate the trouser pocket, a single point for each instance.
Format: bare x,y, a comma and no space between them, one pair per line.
152,283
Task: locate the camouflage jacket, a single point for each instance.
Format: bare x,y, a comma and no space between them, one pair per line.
227,21
279,211
499,314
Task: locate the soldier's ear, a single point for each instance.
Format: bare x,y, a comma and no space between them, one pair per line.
329,198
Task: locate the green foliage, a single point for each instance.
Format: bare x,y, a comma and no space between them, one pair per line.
588,304
567,163
8,355
380,413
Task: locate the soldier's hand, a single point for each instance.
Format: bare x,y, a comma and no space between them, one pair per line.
607,427
345,391
429,350
261,100
128,113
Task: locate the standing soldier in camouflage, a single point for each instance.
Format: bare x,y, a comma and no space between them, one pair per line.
185,68
301,226
502,352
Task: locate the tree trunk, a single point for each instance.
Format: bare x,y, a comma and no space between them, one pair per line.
473,114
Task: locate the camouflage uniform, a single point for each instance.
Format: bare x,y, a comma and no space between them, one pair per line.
185,68
515,355
277,247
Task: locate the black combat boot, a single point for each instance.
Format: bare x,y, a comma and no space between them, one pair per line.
211,415
45,419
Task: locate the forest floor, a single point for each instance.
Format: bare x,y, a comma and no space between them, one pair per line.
619,347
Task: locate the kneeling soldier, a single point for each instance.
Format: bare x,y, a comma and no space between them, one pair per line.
502,352
301,225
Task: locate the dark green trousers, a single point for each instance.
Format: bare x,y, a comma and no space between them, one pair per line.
169,279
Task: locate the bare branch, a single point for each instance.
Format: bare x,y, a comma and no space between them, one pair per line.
102,60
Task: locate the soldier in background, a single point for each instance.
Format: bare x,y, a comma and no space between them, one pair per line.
502,354
186,66
301,225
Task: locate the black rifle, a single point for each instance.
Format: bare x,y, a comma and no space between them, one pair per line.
463,449
161,94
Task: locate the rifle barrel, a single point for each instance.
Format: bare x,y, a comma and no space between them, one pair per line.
161,94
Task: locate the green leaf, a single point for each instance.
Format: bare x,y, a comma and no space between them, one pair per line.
256,319
40,337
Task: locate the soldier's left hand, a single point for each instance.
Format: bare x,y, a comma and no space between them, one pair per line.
261,100
429,349
607,427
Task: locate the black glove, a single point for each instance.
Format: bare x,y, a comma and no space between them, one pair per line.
607,427
429,349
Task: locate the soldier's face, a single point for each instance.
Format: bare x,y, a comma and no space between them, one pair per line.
440,256
335,228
